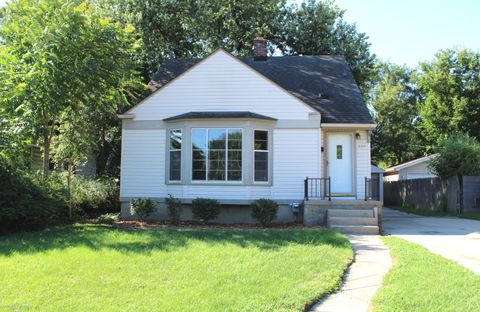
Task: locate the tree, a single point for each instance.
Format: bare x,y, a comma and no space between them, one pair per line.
193,28
167,30
458,155
72,70
450,94
394,101
26,92
318,27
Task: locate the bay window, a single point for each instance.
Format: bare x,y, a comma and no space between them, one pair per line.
260,155
216,154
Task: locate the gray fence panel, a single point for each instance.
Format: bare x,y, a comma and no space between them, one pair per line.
471,194
433,194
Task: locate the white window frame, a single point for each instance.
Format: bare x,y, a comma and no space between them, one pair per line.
170,150
268,156
207,181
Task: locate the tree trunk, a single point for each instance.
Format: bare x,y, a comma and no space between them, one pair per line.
70,164
46,152
69,186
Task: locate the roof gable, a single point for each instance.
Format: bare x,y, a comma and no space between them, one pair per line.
324,82
219,82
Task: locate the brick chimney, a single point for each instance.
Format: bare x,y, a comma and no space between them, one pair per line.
260,49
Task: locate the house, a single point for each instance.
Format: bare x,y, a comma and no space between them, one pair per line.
237,129
414,169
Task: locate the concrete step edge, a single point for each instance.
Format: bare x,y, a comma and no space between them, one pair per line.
352,220
351,214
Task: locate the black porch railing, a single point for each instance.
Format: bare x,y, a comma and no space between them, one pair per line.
317,188
372,188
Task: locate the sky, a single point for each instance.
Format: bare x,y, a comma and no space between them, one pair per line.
410,31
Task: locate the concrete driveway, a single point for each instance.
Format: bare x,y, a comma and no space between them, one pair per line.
453,238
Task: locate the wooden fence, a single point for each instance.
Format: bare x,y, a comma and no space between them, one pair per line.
433,194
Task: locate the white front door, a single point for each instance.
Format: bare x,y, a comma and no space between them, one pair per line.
340,164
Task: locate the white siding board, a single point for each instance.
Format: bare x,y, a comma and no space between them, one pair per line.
143,163
295,156
221,83
418,171
363,164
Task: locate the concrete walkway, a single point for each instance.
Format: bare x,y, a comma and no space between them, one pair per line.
372,261
452,238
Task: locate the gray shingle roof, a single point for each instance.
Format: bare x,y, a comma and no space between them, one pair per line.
205,115
324,82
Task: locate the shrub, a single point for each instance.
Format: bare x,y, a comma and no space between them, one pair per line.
205,209
264,210
91,197
142,207
174,208
24,204
109,218
94,196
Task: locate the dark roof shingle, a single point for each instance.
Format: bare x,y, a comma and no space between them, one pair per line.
223,114
324,82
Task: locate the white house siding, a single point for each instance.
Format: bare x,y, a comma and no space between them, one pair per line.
295,156
143,164
363,165
221,83
227,192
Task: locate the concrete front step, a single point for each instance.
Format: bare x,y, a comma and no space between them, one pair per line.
366,213
352,220
356,229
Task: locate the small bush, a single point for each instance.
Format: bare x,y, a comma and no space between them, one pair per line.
264,210
142,207
89,197
109,218
94,196
174,209
24,204
205,209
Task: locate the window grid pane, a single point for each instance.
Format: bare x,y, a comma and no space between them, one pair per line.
234,155
260,156
199,154
261,140
217,154
175,147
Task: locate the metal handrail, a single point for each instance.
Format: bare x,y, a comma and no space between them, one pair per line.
317,188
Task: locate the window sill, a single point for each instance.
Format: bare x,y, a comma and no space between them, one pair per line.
216,183
174,182
219,183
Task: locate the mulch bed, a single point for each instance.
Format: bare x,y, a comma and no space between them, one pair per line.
202,225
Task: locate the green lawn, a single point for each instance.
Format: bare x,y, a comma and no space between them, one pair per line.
422,281
428,213
97,268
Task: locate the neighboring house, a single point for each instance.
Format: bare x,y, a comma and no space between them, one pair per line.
36,157
237,129
414,169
